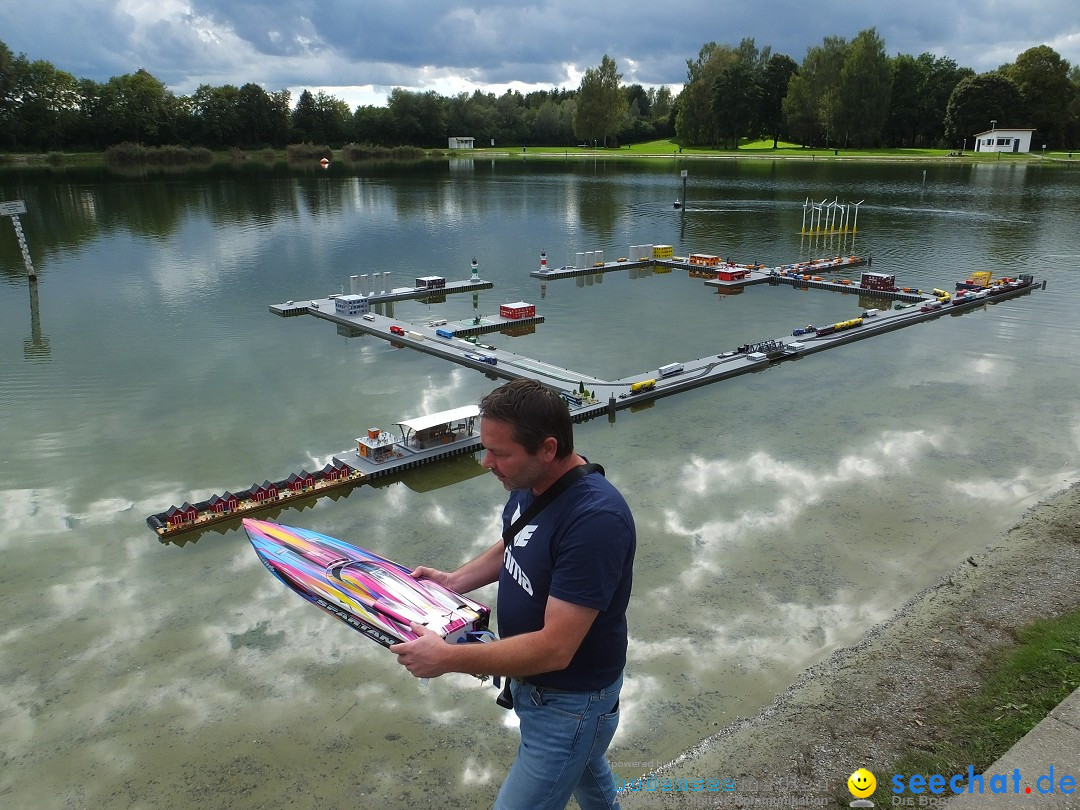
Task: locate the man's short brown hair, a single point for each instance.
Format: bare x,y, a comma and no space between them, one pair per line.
534,413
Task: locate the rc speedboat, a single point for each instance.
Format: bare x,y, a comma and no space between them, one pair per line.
373,595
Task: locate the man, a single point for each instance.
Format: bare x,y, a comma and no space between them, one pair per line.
564,584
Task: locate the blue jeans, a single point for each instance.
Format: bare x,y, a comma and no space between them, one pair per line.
564,736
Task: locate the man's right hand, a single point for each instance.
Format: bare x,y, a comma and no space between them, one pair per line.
434,574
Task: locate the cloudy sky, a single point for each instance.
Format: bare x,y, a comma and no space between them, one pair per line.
357,50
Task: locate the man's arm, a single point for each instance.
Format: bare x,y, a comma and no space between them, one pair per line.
476,573
545,650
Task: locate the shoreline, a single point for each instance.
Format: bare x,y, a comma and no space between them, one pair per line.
865,705
60,159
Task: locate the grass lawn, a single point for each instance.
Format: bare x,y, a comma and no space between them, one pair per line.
660,149
1021,686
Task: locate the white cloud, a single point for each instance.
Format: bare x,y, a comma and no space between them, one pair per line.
358,53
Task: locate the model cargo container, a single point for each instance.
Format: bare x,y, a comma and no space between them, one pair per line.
878,281
704,259
519,309
670,369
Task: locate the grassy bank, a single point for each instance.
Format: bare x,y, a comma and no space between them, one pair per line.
669,149
134,155
662,149
1022,684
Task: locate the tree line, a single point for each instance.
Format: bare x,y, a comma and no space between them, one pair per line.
843,94
851,94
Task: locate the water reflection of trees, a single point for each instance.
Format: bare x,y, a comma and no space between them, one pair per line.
72,207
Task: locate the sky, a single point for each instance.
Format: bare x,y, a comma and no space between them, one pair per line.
357,50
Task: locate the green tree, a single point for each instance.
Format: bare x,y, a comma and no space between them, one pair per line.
813,112
921,87
137,107
978,100
472,115
7,92
661,103
736,102
908,78
941,77
1042,77
553,122
800,111
513,123
322,119
774,87
217,119
865,88
601,105
373,125
1072,115
304,125
418,119
50,105
38,103
639,96
334,119
695,119
263,118
638,126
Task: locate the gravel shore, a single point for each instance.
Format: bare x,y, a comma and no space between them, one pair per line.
866,704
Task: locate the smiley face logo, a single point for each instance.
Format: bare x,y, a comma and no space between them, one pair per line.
861,783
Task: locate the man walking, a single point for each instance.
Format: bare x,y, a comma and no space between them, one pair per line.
565,575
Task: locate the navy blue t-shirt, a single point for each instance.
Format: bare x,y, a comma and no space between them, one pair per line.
579,548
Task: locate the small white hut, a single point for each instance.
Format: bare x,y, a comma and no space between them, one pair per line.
1003,140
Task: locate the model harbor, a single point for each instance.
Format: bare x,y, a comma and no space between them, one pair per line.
435,437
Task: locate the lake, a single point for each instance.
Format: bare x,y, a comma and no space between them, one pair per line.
781,514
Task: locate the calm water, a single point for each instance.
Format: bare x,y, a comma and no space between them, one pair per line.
781,514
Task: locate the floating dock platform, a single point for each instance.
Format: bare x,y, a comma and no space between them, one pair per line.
587,396
590,396
494,323
320,306
424,440
569,271
754,273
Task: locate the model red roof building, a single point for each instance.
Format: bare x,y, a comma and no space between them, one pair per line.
731,273
517,310
878,281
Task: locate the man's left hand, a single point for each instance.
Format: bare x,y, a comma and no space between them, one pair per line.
423,656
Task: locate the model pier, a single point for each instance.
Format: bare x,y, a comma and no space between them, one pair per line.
378,455
589,395
427,287
258,497
702,265
419,441
450,434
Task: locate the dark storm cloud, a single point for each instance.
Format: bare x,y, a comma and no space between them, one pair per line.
350,42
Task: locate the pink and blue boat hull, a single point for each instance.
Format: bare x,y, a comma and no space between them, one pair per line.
373,595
